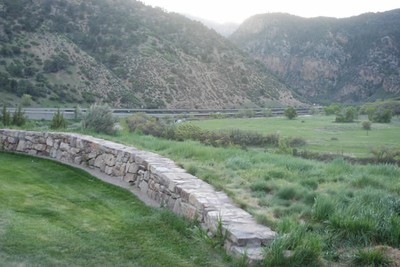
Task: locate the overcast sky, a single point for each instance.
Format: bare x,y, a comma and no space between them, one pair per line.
239,10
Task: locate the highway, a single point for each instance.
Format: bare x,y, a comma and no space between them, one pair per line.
69,113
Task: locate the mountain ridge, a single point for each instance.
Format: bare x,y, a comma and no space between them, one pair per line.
326,59
126,54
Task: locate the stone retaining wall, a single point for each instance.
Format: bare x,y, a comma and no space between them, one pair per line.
160,178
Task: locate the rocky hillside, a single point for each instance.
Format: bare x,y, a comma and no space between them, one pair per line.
325,59
126,54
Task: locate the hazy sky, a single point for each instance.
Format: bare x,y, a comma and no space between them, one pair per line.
239,10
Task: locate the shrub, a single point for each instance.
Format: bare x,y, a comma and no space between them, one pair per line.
6,117
26,100
99,118
290,113
385,153
58,121
380,115
187,131
296,141
246,138
19,118
348,115
332,109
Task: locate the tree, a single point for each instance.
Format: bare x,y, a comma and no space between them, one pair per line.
58,121
366,126
290,113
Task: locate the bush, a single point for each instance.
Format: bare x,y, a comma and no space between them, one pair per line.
185,131
19,118
380,115
58,121
348,115
146,124
296,141
385,153
26,100
6,117
332,109
290,113
99,118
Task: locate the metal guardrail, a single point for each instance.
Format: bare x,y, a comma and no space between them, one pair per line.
69,113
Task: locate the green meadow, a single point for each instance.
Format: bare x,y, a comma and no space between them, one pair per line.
55,215
321,133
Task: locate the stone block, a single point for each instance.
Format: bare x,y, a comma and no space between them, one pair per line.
109,159
143,186
64,146
21,146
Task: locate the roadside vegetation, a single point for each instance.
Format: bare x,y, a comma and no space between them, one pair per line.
326,212
56,215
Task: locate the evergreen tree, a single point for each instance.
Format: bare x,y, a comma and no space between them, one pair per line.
58,121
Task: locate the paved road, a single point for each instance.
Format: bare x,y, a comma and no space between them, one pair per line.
69,113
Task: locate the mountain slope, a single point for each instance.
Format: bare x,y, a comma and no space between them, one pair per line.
126,54
325,59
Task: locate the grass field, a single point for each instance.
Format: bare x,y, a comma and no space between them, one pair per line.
332,210
321,132
55,215
328,214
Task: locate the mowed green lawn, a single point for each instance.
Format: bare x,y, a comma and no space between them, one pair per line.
56,215
321,132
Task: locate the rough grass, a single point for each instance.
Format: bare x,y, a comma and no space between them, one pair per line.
54,215
324,197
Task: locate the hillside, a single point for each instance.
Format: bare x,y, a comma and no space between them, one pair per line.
349,60
126,54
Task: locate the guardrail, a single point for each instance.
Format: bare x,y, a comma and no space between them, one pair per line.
69,113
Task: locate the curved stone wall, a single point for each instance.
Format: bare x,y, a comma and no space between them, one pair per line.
158,177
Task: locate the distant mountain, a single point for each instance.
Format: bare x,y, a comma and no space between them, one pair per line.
225,29
325,59
124,53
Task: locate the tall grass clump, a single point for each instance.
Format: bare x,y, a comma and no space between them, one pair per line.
294,246
371,257
323,208
371,217
99,118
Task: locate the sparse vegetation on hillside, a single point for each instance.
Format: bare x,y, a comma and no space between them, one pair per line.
125,54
